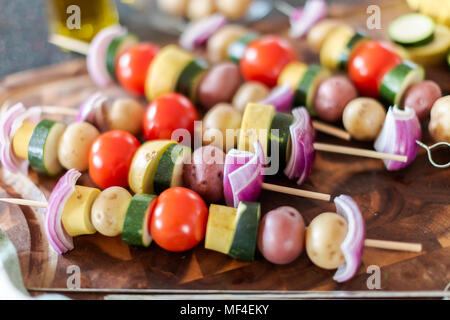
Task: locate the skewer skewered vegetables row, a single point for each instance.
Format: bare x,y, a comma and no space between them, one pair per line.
178,220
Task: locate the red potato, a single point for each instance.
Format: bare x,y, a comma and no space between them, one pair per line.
204,174
332,96
421,97
219,84
281,235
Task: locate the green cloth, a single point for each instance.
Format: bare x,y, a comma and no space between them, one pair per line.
12,286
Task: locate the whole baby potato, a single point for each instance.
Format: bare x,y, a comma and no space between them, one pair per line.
363,118
204,174
74,145
233,9
323,240
251,91
217,45
332,96
281,235
440,120
219,84
198,9
316,36
125,114
421,97
109,210
221,125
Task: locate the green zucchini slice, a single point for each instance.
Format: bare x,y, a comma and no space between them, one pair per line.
413,29
169,172
190,78
279,135
135,226
43,147
117,46
245,236
307,88
398,80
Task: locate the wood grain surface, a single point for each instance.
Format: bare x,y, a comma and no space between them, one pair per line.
409,205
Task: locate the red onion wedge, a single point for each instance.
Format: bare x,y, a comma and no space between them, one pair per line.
300,162
243,175
10,122
56,235
303,20
93,110
281,97
400,131
96,57
198,32
353,244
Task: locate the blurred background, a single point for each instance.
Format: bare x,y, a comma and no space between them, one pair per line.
24,29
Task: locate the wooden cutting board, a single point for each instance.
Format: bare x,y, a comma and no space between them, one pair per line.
410,205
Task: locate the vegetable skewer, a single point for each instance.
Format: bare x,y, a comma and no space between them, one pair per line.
50,167
380,244
96,70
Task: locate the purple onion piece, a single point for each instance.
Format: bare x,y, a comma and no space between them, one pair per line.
353,244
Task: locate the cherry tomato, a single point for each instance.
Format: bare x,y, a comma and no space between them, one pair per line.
167,113
110,158
369,64
264,59
178,222
132,66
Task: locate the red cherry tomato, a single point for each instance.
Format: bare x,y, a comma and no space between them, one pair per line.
369,64
178,222
132,66
166,114
110,158
264,59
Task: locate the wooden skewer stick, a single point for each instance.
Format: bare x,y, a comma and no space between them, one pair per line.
331,130
25,202
69,43
296,192
359,152
381,244
393,245
60,110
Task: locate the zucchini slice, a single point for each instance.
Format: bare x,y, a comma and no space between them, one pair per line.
43,147
255,126
220,228
279,135
433,53
169,172
135,226
307,88
117,46
190,78
412,29
162,76
245,236
292,74
395,82
144,164
353,44
76,216
22,138
448,59
237,49
334,44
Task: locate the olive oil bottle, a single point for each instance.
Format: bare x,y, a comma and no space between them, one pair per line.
80,19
